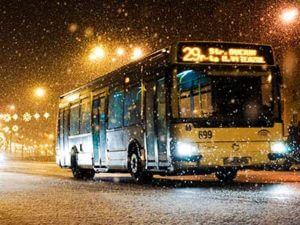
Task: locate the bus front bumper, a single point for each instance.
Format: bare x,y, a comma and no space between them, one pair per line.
260,156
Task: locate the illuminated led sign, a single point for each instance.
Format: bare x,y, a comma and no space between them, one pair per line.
224,53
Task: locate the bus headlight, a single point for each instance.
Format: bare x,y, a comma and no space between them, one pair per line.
186,149
279,147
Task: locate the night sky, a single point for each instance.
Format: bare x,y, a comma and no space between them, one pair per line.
45,43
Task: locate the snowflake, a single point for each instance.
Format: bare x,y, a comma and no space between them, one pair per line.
15,128
15,116
6,129
36,116
27,117
46,115
7,117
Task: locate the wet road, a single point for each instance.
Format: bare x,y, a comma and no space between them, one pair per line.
41,193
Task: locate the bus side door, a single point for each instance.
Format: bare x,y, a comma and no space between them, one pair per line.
156,126
99,129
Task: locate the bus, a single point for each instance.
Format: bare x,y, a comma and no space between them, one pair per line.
192,108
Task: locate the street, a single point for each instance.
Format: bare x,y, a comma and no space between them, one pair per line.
42,193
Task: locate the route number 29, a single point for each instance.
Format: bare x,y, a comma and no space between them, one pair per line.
205,134
191,54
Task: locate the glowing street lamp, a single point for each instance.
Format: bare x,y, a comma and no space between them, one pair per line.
39,92
289,15
120,51
96,53
137,53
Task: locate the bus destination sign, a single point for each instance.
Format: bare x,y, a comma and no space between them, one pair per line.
224,53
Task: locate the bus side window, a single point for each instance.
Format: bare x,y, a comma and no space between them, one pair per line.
115,108
85,116
132,106
74,120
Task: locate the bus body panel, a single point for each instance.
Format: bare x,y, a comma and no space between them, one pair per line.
253,144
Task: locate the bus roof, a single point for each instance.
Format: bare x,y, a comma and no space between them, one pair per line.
170,52
122,69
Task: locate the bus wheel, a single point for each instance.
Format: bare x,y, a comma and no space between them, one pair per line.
89,174
77,173
226,175
136,169
80,174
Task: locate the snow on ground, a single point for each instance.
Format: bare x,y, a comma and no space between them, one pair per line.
44,194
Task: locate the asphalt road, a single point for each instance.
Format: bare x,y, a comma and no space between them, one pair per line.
42,193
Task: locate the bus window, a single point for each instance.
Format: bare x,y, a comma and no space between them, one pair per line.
85,116
74,120
132,106
266,90
115,110
195,94
161,119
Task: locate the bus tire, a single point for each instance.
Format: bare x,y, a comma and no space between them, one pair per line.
88,174
83,174
226,175
136,169
77,173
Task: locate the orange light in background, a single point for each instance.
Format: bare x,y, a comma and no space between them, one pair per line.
120,51
289,15
39,92
12,107
96,53
137,53
51,136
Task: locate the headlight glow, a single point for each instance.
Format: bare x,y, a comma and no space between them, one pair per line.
2,158
279,147
186,149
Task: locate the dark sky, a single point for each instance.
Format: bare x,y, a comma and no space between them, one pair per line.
37,47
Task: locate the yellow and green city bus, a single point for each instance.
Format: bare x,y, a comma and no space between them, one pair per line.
192,108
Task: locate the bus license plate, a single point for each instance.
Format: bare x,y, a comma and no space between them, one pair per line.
236,161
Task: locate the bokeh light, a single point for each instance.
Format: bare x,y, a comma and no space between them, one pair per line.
137,53
120,51
289,15
40,92
96,53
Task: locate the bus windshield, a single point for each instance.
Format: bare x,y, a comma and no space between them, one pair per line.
226,99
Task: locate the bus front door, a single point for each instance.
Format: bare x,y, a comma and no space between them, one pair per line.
99,130
156,127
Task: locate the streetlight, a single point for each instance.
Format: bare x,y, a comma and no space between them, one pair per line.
137,53
120,51
289,15
40,92
96,53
